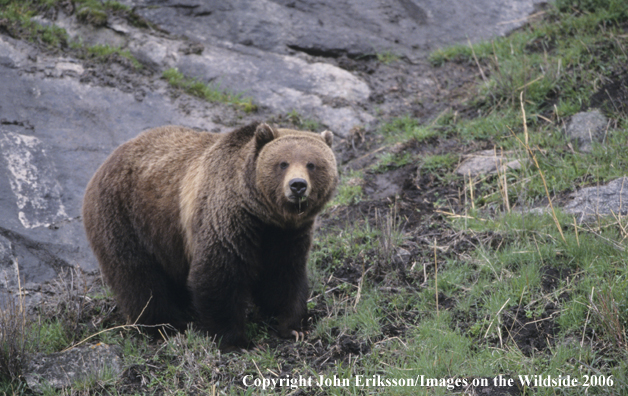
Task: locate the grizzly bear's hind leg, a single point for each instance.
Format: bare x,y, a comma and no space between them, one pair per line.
143,290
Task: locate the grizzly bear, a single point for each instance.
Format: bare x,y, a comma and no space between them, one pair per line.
191,226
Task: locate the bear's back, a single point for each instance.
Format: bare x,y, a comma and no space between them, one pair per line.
140,182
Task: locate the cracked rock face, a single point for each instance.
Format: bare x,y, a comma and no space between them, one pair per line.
60,117
333,28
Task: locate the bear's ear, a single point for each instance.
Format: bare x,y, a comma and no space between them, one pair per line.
328,137
263,134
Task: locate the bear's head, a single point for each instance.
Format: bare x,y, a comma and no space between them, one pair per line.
295,172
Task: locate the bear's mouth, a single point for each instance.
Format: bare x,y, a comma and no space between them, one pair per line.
298,204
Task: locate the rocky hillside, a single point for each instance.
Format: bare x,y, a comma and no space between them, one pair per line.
479,226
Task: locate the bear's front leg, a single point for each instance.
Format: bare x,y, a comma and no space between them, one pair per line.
219,301
281,289
285,297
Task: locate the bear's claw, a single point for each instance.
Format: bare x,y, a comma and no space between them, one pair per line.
298,334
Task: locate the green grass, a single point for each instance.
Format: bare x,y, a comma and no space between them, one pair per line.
103,52
558,57
349,190
438,163
96,13
513,276
335,250
207,92
406,128
303,123
18,15
387,57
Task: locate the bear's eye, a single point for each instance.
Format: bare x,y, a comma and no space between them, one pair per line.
310,166
283,165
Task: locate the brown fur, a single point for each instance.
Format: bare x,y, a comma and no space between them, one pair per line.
190,225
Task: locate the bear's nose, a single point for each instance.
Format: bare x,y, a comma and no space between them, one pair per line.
298,187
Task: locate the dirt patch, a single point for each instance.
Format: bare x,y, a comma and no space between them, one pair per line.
551,277
531,332
612,97
419,90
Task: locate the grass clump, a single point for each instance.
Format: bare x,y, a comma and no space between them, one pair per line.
18,22
95,12
102,52
349,190
407,128
338,247
191,362
303,123
387,57
92,12
438,163
207,92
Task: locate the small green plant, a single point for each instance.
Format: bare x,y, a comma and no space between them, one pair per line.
53,336
349,190
18,16
94,12
387,57
438,163
207,92
103,52
92,16
105,377
256,332
303,123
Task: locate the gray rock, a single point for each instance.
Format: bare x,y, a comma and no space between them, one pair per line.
591,202
155,52
69,67
586,128
63,369
54,134
402,256
333,28
488,162
283,83
8,275
253,47
89,35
